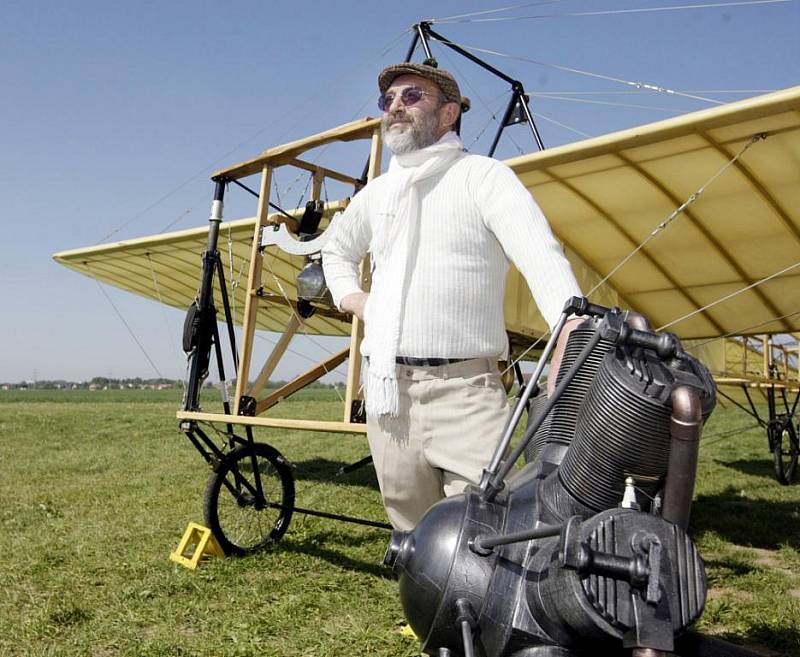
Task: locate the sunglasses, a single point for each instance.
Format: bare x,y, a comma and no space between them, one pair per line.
409,96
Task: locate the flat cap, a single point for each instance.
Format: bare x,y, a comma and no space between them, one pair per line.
443,79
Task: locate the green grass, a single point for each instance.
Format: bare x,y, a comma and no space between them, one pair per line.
97,488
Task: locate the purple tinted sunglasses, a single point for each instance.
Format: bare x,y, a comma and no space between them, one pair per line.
409,96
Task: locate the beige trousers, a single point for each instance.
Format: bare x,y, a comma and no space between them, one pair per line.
450,421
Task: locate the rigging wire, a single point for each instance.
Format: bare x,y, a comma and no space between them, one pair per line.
162,306
707,441
586,101
742,331
492,117
617,92
234,282
293,311
512,362
678,211
610,12
306,103
549,119
727,297
569,69
492,11
176,221
128,326
476,94
277,192
306,357
493,114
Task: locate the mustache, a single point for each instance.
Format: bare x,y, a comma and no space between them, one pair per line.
397,117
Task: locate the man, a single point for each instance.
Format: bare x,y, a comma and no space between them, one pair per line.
440,227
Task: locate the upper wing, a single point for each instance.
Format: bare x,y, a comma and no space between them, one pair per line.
603,197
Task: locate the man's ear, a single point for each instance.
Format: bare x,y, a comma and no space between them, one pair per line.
450,112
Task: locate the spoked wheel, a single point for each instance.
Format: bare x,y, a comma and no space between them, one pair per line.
243,519
785,449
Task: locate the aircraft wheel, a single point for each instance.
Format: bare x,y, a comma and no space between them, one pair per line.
785,449
241,520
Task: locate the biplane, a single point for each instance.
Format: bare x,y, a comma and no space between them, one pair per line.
691,221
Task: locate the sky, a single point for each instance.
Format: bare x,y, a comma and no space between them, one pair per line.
114,114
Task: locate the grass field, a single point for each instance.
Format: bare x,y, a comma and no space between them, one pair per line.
97,488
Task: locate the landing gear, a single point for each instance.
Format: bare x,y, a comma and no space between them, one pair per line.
783,444
249,499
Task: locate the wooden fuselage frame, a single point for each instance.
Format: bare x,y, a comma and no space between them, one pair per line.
288,155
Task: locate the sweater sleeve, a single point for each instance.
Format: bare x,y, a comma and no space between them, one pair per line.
345,250
510,212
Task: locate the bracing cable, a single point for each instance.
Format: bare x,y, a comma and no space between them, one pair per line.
130,329
743,330
650,108
299,319
647,86
730,296
678,211
611,12
485,12
294,112
668,221
157,287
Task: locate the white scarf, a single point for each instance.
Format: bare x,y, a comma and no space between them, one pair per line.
394,246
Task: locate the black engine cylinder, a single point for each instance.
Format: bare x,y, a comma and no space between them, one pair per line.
622,430
565,411
542,435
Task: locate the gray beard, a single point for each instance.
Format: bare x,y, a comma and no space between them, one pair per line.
420,134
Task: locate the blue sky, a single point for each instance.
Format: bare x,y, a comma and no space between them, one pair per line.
114,114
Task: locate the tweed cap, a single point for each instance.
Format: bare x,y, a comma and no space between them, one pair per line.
443,79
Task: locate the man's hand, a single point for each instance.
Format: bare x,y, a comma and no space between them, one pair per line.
354,304
558,353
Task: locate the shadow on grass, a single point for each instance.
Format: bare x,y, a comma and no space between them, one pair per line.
751,644
744,521
328,471
753,467
718,570
782,638
323,546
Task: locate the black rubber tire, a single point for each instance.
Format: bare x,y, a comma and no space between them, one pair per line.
239,523
785,450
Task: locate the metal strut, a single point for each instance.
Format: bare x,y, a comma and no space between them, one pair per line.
423,32
205,313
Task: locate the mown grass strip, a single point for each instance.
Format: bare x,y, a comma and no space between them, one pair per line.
97,488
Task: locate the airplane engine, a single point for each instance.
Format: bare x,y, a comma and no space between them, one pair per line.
584,550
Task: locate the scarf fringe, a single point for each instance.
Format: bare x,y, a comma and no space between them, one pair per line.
382,395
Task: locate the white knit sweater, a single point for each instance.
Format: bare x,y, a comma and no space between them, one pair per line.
474,217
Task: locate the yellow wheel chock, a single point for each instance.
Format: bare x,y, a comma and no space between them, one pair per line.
198,544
